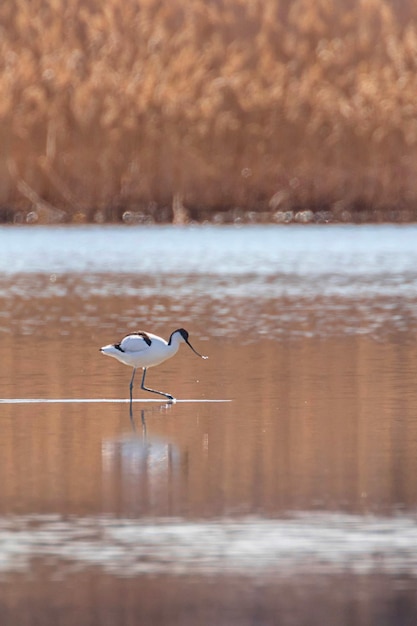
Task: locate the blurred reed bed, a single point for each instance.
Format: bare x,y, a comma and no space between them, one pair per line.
257,110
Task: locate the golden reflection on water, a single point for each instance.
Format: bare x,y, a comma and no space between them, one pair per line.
313,423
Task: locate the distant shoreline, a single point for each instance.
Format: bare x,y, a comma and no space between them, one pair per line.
216,217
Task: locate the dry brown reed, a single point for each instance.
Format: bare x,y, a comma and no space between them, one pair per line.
169,111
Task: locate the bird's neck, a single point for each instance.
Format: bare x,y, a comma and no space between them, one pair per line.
174,341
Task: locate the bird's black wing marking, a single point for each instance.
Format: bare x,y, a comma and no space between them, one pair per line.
144,336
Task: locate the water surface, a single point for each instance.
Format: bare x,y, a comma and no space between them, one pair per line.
296,499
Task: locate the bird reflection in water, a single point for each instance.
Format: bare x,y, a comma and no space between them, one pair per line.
139,468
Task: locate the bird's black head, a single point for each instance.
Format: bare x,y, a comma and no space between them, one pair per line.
183,333
180,331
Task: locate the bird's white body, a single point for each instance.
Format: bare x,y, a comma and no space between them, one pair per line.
136,351
147,350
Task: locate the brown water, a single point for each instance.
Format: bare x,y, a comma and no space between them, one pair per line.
290,501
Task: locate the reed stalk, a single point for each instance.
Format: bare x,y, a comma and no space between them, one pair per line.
147,110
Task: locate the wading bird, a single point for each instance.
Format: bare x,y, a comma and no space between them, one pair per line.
146,350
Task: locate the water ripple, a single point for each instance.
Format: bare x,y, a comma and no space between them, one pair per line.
317,542
260,280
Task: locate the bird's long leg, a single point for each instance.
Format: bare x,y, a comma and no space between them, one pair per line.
161,393
131,391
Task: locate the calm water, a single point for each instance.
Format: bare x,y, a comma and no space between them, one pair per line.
280,489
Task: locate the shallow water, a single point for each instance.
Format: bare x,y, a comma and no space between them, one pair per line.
292,502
